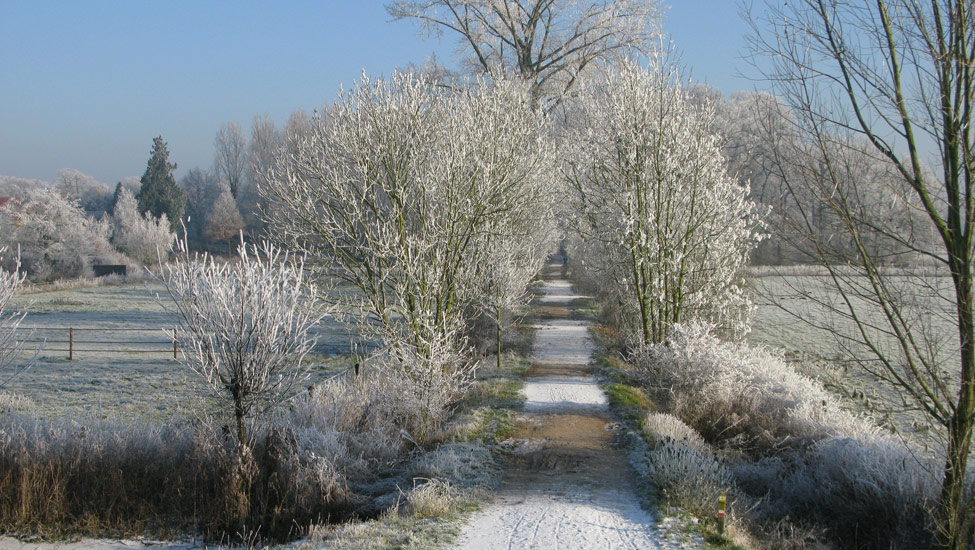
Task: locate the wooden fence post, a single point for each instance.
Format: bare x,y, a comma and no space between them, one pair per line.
174,344
70,344
722,504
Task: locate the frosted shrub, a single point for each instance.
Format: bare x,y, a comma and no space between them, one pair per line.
244,324
876,492
68,477
416,390
741,396
466,463
142,237
432,497
668,428
350,422
682,467
13,358
791,446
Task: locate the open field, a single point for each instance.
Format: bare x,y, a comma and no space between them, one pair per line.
122,361
790,317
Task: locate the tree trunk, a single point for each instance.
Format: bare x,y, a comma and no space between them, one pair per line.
239,415
952,508
497,336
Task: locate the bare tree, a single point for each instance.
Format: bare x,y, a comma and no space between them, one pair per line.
297,128
244,324
895,75
548,43
91,194
264,145
671,228
230,156
201,188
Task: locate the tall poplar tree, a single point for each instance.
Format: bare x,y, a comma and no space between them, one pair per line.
159,193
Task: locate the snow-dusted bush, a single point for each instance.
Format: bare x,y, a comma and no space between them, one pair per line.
681,466
12,358
244,324
877,492
55,238
787,443
93,196
142,237
462,464
667,428
741,396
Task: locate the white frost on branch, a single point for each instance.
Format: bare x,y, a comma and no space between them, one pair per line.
244,325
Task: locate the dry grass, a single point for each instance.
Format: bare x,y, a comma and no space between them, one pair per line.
806,472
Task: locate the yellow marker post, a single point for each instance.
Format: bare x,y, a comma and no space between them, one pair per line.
722,505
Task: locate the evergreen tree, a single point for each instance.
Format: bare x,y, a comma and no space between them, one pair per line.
159,193
115,197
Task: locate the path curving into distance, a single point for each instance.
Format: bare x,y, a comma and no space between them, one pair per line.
568,486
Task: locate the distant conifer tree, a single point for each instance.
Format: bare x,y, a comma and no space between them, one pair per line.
159,193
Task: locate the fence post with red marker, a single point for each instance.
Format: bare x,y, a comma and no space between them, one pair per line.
722,505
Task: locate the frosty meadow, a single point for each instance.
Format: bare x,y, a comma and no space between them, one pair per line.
554,295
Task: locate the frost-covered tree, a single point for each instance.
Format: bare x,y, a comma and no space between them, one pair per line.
548,43
11,186
397,190
224,221
91,194
264,144
671,228
139,236
159,193
55,238
12,357
893,78
297,128
244,325
514,262
230,156
201,188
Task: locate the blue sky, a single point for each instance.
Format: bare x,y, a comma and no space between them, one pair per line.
87,85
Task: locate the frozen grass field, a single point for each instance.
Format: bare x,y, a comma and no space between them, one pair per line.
790,322
123,362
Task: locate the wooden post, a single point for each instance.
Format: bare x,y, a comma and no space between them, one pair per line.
70,344
722,504
174,344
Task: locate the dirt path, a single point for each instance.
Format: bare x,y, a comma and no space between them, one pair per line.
569,486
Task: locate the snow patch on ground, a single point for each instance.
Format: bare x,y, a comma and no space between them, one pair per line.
563,395
563,517
566,508
557,292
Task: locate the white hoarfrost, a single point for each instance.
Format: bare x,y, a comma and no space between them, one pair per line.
244,325
665,221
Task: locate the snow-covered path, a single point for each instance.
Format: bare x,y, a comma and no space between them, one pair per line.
569,487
